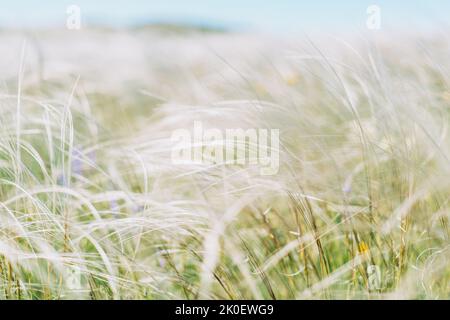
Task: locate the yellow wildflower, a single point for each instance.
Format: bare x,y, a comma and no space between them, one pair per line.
363,247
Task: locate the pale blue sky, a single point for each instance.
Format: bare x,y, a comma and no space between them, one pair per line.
276,15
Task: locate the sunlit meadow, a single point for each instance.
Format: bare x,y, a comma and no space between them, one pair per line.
93,207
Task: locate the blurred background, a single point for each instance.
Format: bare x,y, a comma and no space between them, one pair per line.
273,16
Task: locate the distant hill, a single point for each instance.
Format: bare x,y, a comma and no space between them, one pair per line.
181,28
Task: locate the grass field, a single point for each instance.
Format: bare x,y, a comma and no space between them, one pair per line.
92,207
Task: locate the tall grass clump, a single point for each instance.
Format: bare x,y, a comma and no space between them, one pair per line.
92,207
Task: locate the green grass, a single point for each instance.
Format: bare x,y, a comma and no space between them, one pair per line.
92,207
